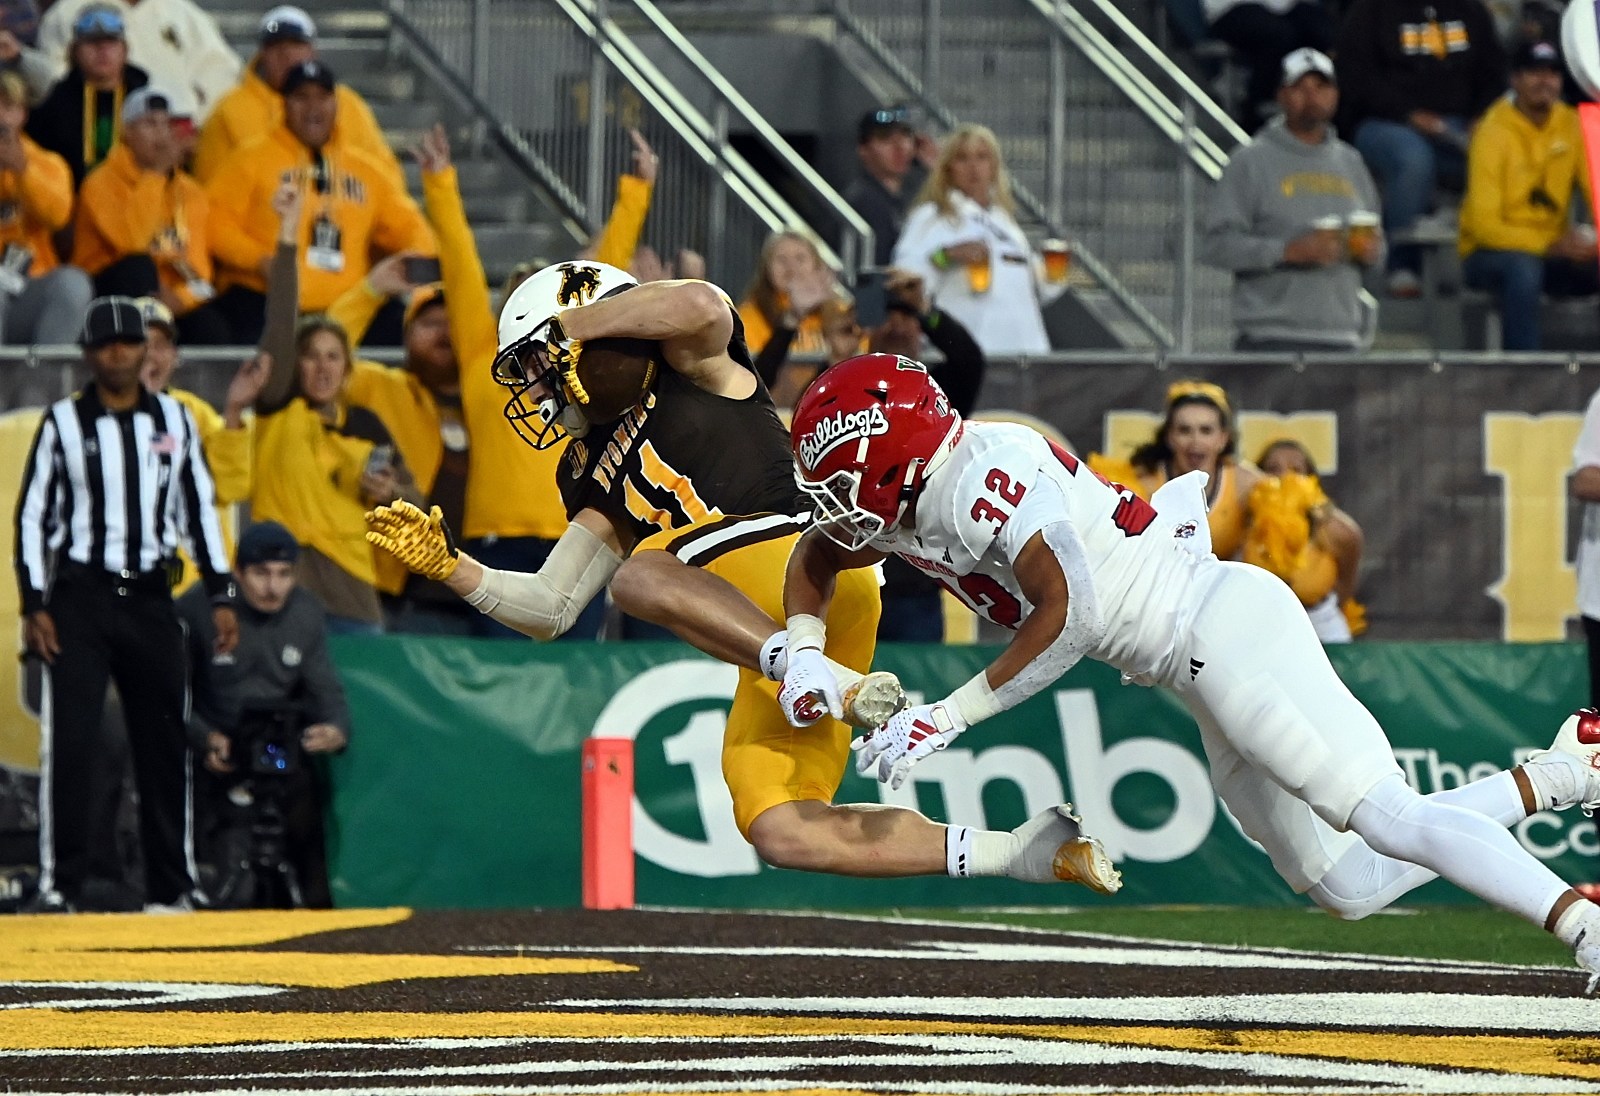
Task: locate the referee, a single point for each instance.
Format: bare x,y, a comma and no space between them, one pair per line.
114,482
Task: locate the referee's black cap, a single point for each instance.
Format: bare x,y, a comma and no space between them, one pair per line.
112,319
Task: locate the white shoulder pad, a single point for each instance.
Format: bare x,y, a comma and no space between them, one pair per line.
993,483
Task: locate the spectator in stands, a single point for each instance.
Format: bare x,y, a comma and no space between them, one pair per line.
790,286
357,213
1197,433
1304,539
963,239
913,611
1263,33
80,117
320,461
143,224
1417,74
1526,162
281,669
648,266
225,437
19,48
174,39
41,301
445,397
254,108
1297,286
882,190
1585,488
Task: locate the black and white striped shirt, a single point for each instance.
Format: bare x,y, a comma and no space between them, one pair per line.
117,492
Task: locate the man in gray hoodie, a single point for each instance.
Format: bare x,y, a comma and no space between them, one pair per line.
1294,218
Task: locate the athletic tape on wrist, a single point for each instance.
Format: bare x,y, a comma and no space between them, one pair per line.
806,630
975,701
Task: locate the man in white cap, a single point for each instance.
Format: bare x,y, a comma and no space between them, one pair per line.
175,40
1294,217
255,107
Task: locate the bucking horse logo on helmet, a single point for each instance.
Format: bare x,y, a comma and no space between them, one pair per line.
579,284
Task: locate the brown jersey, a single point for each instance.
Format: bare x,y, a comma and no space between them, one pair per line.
683,454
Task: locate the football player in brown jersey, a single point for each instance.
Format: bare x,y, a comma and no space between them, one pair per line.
684,502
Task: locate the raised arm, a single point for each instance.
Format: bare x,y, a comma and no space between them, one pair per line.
692,320
283,300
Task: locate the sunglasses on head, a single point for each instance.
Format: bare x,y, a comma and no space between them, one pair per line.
92,24
896,116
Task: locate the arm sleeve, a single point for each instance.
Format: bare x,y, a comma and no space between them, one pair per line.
1484,205
36,509
961,375
355,309
466,288
277,338
210,709
400,225
774,352
913,251
228,453
620,236
544,605
212,149
234,229
357,121
1227,239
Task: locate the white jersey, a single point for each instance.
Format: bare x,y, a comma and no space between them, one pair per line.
1002,483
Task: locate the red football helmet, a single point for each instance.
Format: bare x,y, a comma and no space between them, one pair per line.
866,435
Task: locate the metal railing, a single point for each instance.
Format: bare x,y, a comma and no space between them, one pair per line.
1121,146
560,83
1048,214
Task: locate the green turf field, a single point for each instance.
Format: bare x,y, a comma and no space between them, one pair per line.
1473,933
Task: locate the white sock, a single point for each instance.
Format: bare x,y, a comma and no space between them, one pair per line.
970,853
775,656
1575,920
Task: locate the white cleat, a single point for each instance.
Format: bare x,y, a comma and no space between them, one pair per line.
871,700
1579,737
1054,846
1587,953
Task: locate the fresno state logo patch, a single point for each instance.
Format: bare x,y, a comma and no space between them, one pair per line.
839,428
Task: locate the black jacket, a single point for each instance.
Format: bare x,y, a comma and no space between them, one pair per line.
281,659
57,123
1390,63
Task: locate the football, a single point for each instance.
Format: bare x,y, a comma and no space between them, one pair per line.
614,373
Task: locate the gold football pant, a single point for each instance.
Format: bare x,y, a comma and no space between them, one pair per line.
765,761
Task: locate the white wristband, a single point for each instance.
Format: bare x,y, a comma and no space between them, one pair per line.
975,701
806,630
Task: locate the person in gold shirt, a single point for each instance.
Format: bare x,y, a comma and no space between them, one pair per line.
355,212
1526,159
425,406
143,223
41,301
1298,534
1197,433
320,460
255,107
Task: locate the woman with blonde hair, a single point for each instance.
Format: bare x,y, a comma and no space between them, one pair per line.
963,239
320,460
790,286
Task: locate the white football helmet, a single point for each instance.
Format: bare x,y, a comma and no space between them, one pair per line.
523,361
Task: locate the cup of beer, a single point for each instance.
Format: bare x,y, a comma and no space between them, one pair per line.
980,276
1361,228
1057,260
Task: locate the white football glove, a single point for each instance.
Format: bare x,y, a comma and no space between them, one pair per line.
810,691
907,738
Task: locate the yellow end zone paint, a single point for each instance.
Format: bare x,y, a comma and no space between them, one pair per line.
35,1029
225,929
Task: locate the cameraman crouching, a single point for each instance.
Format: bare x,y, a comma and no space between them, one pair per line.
259,710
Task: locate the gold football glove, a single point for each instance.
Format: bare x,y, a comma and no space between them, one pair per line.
421,541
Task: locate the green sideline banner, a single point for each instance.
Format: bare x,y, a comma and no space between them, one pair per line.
461,784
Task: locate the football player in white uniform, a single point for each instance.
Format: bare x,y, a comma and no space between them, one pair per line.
1079,567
